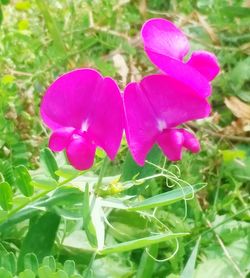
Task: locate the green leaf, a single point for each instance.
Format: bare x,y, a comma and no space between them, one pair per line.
8,261
3,250
40,237
63,195
132,225
146,266
230,155
1,15
7,171
240,74
167,198
69,267
5,273
1,177
189,270
140,243
50,262
131,169
5,2
236,11
44,272
67,172
23,181
23,5
60,274
31,262
44,183
49,163
27,273
216,268
6,196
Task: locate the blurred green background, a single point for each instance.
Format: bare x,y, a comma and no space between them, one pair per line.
41,39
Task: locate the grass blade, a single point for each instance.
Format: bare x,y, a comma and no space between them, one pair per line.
189,268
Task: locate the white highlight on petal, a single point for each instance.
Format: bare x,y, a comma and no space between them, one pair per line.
161,125
85,125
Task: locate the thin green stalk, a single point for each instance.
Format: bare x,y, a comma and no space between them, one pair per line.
217,192
104,167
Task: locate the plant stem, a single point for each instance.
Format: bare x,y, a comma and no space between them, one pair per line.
102,172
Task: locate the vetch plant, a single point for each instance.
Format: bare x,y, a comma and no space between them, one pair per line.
85,110
67,210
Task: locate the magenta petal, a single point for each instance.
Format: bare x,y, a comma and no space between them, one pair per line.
89,104
182,72
80,152
106,119
170,141
190,141
206,63
141,123
173,102
60,138
163,37
69,99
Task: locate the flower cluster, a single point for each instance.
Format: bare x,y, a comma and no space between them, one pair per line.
85,110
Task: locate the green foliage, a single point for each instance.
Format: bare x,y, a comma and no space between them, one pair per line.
120,220
6,196
47,268
23,181
49,163
40,237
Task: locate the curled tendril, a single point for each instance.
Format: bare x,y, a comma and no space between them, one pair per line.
169,176
112,227
169,230
166,259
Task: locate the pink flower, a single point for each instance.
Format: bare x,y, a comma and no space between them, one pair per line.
84,110
153,108
166,46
